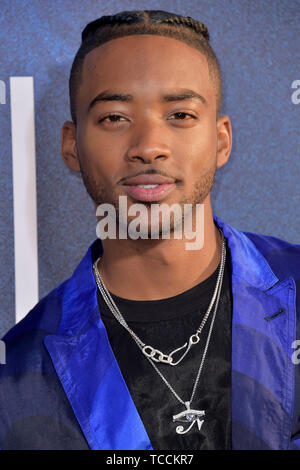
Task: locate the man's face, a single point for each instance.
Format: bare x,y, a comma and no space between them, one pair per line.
148,133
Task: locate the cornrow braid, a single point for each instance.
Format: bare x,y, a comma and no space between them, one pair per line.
122,18
137,22
197,26
157,16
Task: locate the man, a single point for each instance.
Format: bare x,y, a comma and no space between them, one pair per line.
150,345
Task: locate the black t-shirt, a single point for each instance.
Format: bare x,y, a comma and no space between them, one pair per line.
167,324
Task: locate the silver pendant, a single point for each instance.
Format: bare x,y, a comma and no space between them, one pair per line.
189,416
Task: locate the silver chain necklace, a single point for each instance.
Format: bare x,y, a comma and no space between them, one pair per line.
152,353
189,415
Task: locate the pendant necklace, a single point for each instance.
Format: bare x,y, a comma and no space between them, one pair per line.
189,416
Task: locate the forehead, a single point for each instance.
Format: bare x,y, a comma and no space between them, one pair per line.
144,64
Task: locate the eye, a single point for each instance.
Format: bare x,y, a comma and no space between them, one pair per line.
188,418
111,118
182,115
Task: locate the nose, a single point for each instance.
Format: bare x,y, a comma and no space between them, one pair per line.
148,143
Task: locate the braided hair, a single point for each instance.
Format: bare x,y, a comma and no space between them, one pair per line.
156,22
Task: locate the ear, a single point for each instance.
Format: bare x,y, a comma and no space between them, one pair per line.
68,146
224,136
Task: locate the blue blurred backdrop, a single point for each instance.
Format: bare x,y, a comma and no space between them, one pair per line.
257,43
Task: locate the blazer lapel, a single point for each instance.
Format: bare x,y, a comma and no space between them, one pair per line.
263,330
88,370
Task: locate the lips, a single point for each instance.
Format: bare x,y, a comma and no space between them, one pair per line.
148,179
162,189
149,194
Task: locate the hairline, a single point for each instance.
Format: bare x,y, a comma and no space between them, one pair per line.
212,61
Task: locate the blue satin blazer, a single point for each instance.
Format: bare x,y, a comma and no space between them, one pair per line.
61,386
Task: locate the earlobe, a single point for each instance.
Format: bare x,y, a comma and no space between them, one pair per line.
69,150
224,143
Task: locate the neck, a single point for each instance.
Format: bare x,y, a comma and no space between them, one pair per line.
156,269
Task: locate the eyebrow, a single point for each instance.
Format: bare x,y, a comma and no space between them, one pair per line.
177,96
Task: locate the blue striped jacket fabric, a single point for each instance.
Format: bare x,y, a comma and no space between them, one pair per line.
61,386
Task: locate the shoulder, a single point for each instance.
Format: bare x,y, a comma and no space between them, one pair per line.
24,347
282,256
25,340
